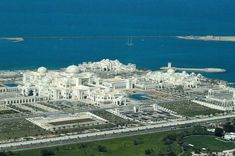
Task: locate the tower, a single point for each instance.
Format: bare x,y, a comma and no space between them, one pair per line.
169,65
234,97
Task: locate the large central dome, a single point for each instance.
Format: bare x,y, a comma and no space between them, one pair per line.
42,70
72,69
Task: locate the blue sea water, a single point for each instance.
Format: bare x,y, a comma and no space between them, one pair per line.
37,21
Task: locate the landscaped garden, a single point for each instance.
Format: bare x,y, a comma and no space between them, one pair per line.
17,128
188,108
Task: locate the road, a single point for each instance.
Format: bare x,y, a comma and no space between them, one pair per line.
61,140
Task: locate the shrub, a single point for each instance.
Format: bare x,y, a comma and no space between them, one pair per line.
102,148
47,153
148,151
219,132
3,154
228,127
83,146
137,142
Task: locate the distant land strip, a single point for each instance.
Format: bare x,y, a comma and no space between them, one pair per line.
203,38
12,39
99,36
90,36
209,38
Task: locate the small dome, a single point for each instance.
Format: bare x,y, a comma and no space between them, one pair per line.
193,74
42,70
199,75
72,69
184,72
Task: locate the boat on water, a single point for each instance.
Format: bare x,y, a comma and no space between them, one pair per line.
130,42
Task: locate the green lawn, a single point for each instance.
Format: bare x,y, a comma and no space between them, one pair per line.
189,108
111,117
115,147
136,146
209,142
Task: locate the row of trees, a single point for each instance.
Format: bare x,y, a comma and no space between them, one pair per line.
227,127
100,148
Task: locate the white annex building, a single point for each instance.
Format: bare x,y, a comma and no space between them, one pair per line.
222,98
170,78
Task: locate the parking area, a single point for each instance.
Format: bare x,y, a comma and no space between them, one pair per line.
148,116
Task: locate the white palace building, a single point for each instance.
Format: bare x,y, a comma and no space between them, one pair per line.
71,84
77,83
83,83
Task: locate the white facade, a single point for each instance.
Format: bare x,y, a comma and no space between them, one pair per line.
104,97
171,78
118,83
107,65
224,97
229,136
4,90
56,85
